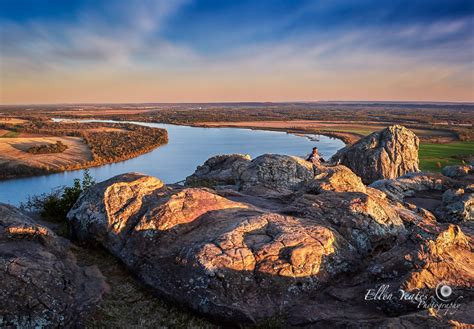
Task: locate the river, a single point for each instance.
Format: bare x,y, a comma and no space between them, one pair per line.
187,148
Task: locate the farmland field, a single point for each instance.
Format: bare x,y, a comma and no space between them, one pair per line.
435,156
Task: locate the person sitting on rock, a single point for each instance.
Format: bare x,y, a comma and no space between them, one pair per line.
315,158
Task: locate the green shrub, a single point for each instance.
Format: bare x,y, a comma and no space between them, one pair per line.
56,204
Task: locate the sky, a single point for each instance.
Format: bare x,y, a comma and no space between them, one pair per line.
134,51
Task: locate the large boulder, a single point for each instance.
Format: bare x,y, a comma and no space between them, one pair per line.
219,170
224,258
105,212
457,171
111,210
41,285
303,257
276,172
457,205
240,264
264,175
389,153
450,200
334,178
410,184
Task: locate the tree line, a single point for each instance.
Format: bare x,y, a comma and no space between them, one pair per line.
107,146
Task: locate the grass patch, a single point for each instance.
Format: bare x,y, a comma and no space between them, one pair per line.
433,157
130,304
11,134
358,131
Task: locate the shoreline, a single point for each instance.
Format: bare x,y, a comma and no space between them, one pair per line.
40,171
346,137
78,167
12,169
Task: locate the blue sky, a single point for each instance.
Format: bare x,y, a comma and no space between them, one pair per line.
156,50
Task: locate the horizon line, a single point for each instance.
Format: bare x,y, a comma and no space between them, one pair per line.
244,102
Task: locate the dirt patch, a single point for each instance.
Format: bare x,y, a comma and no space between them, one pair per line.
14,152
11,121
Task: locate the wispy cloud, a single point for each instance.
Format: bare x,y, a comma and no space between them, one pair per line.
213,50
89,40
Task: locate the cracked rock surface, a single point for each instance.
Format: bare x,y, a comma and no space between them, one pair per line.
41,286
277,237
389,153
303,257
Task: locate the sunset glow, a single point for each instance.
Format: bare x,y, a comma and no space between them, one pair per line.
212,51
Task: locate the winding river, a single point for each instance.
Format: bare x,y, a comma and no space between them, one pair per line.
187,148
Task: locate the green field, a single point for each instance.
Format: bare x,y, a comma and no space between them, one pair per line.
359,131
445,154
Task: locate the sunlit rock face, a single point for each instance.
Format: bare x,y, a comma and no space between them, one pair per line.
456,269
219,256
366,221
108,210
334,178
389,153
41,286
278,237
433,258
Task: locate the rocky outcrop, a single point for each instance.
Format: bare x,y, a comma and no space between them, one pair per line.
334,178
279,237
457,205
276,172
432,255
216,255
447,259
449,200
262,175
270,172
365,220
41,286
457,171
404,283
389,153
229,261
411,184
219,170
238,257
106,210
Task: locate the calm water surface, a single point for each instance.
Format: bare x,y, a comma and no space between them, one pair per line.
187,148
